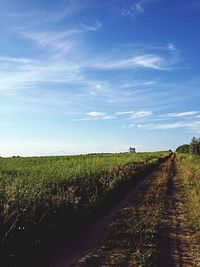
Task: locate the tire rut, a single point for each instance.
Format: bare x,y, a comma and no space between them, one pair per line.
176,243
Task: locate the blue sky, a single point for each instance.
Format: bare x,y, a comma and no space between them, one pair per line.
81,76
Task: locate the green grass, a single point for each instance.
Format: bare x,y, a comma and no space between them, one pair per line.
40,194
25,182
189,172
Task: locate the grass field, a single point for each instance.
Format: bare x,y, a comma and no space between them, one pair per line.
40,194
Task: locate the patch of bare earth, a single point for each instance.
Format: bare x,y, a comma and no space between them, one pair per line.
178,243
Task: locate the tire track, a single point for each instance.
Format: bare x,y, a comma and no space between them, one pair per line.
177,245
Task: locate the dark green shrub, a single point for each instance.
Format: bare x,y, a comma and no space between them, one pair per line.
183,148
195,146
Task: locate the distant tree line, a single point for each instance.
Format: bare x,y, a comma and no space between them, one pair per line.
193,147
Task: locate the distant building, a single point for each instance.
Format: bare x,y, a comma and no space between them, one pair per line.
132,150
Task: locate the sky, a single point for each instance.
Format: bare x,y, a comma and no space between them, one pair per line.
89,76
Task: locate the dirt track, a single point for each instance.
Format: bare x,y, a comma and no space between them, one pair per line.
178,244
93,237
173,239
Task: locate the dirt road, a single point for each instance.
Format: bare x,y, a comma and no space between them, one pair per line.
178,243
93,237
147,228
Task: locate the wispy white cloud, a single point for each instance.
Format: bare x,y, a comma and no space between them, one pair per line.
109,117
19,73
192,126
125,113
36,17
56,41
131,125
96,114
5,60
151,61
180,114
117,115
135,114
61,42
138,7
163,126
141,114
173,49
16,73
92,28
186,120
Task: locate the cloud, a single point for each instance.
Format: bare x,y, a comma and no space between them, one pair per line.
181,114
137,8
187,120
55,41
163,126
194,126
172,48
141,114
93,28
104,116
55,13
63,41
109,117
15,60
150,61
96,114
124,113
20,73
135,114
131,125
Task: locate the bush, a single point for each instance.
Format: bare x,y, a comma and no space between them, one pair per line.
183,148
195,146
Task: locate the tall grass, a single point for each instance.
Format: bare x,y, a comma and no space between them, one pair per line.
189,171
40,194
48,181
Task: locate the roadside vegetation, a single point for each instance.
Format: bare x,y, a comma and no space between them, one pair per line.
39,196
192,148
188,167
188,172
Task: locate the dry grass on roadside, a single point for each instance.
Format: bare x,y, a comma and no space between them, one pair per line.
188,168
